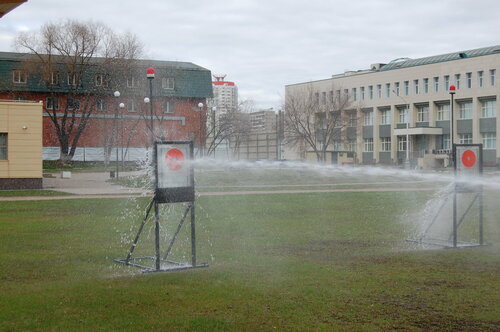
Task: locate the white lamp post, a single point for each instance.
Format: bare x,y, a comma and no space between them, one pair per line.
452,91
150,74
120,105
200,108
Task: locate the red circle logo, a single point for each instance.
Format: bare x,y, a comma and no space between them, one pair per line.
174,159
469,158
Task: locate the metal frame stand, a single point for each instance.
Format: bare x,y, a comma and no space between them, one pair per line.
458,188
163,264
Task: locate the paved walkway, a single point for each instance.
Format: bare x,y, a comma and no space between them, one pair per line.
89,184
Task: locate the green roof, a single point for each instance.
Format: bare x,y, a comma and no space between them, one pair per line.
191,81
405,62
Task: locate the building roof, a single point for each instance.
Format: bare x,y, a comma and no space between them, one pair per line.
405,62
223,83
8,5
191,81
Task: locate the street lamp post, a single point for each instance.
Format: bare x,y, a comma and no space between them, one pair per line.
214,108
200,107
452,91
120,106
150,74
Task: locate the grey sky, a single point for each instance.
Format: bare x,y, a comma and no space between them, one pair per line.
262,45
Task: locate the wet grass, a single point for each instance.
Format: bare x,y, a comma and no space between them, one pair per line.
301,262
261,177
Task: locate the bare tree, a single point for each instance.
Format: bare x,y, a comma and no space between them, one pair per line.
80,61
315,119
233,126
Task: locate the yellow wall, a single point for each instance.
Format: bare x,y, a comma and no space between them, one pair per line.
24,155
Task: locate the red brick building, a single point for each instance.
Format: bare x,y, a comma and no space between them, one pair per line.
177,91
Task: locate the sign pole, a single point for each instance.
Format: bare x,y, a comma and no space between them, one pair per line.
193,235
157,236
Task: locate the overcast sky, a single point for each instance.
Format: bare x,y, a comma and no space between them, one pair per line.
263,45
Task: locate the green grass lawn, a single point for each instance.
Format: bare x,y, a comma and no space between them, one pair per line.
297,262
274,178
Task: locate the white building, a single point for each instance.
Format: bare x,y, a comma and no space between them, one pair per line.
406,103
225,95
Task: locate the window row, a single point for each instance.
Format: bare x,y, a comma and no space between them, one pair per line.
465,111
132,105
415,87
488,139
21,77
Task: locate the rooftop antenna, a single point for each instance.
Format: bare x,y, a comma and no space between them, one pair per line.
219,77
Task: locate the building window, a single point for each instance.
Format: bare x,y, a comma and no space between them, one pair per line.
316,98
423,113
465,138
457,81
492,77
465,111
468,78
407,88
354,94
100,105
52,103
436,84
480,79
368,144
352,119
323,98
415,87
445,142
54,78
168,83
19,77
426,85
404,115
370,91
396,88
489,108
387,90
73,104
379,91
71,79
99,80
443,112
447,82
385,117
368,118
168,107
337,146
362,92
132,82
385,144
351,145
489,141
330,96
132,106
402,143
3,146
